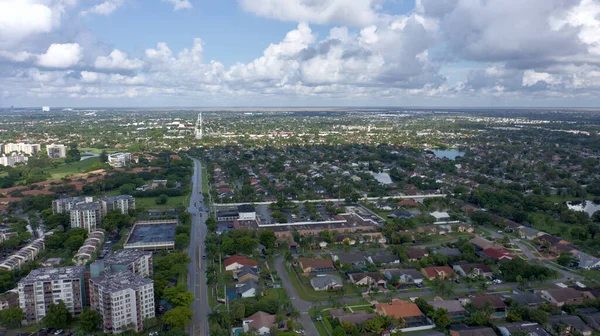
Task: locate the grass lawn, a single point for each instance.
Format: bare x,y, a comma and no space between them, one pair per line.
204,180
592,276
150,202
72,168
306,292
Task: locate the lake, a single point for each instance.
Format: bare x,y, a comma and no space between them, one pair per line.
588,206
451,154
88,155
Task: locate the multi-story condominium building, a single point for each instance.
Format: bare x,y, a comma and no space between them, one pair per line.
86,215
63,205
29,149
119,160
91,245
123,203
12,159
26,254
44,286
56,151
136,261
123,299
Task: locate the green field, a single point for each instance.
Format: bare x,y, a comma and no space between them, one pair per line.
150,202
204,180
72,168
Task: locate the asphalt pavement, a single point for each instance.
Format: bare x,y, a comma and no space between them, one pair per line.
196,269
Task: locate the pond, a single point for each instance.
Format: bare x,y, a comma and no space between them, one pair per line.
451,154
88,155
588,206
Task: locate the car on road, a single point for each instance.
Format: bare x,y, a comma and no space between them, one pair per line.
58,332
204,257
230,226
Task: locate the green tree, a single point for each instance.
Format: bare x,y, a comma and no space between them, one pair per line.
339,331
57,316
565,259
182,241
178,317
162,199
90,320
74,242
12,317
103,156
73,154
179,296
267,238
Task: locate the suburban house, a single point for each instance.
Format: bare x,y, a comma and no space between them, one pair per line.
409,203
473,270
247,288
591,316
554,244
499,307
407,311
326,282
572,324
531,328
237,261
416,254
442,272
316,265
401,214
561,296
404,275
586,261
356,317
383,258
448,251
441,217
260,321
481,244
528,233
352,259
498,254
525,298
455,309
367,279
246,273
464,330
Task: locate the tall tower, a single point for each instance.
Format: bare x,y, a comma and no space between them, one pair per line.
198,130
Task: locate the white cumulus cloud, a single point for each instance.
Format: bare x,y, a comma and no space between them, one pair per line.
104,8
117,60
349,12
179,4
61,56
21,18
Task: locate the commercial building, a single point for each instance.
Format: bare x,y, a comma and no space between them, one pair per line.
86,215
25,148
45,286
119,160
123,203
135,261
12,160
152,235
56,151
123,299
66,204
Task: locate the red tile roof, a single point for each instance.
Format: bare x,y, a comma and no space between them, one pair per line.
398,309
242,260
497,254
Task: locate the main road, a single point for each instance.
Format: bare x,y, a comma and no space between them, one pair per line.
196,269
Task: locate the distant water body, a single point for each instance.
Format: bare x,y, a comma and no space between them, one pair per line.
88,155
588,207
451,154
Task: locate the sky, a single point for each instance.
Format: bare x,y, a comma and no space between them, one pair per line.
184,53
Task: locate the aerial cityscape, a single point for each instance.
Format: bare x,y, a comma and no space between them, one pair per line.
300,167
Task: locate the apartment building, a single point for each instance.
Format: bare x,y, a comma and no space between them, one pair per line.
86,215
123,203
123,299
25,148
26,254
56,151
119,160
66,204
12,159
135,261
45,286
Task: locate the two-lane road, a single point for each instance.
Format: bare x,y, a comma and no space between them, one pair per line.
196,269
